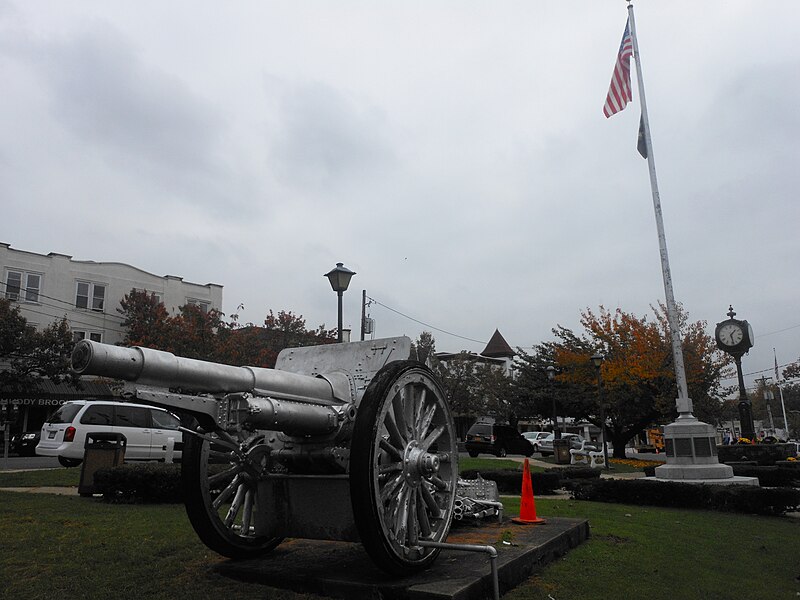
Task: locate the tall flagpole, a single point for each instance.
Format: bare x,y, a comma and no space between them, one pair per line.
690,444
684,403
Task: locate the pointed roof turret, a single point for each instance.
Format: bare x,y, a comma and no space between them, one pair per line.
498,347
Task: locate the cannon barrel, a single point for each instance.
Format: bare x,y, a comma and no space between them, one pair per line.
163,369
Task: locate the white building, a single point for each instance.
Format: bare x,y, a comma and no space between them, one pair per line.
88,293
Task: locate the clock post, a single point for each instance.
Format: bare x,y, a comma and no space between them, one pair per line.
735,337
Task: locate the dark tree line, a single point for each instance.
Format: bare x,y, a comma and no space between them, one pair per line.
194,333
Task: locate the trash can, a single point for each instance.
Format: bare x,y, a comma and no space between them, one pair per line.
561,451
101,450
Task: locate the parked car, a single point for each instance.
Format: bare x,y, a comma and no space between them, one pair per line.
534,436
575,442
24,443
499,440
147,430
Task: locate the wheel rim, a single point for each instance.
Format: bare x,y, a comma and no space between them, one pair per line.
222,492
413,468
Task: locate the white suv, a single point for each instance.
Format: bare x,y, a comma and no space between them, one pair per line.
147,430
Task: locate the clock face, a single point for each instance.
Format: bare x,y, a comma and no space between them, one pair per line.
731,334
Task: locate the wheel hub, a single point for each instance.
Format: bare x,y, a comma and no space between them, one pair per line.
419,464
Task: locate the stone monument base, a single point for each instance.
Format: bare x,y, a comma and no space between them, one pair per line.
691,450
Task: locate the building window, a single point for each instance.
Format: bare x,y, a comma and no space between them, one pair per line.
23,286
95,336
203,306
155,295
90,296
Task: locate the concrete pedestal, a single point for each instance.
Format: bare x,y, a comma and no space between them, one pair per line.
691,451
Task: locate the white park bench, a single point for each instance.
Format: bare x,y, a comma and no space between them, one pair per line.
586,455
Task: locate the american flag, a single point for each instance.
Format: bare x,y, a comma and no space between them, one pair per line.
619,92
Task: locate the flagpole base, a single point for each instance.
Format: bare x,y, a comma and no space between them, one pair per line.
691,449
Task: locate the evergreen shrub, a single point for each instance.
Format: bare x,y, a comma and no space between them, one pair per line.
728,498
509,481
770,476
141,483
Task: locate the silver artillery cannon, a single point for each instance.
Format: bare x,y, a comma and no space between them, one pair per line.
344,442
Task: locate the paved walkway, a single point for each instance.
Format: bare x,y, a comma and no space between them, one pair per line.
61,491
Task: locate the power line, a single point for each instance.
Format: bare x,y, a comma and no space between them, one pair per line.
426,324
778,331
767,370
67,304
77,322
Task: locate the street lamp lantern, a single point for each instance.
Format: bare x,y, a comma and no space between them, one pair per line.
340,278
597,361
551,375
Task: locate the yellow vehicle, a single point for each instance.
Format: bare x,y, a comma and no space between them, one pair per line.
651,441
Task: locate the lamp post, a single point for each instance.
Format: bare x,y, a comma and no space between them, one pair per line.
597,361
340,278
551,375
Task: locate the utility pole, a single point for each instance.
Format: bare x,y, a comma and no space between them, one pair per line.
363,313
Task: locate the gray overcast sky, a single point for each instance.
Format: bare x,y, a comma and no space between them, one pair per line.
454,154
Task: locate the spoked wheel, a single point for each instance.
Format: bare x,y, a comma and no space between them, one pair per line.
403,467
220,477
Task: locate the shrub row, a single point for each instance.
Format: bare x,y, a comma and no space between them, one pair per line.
509,481
733,498
763,454
157,483
770,476
140,483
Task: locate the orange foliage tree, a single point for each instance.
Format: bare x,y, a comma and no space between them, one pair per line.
638,377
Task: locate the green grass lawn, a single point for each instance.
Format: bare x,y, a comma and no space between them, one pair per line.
655,553
67,546
41,477
490,464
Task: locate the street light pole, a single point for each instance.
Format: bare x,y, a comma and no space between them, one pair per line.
551,375
339,278
597,360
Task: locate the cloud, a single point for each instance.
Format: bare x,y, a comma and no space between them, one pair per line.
140,121
322,137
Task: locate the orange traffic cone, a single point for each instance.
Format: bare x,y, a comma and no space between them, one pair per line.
527,505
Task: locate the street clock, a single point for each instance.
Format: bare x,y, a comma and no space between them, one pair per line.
734,336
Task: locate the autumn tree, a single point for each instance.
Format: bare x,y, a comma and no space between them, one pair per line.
28,355
206,335
145,320
638,373
792,371
260,346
